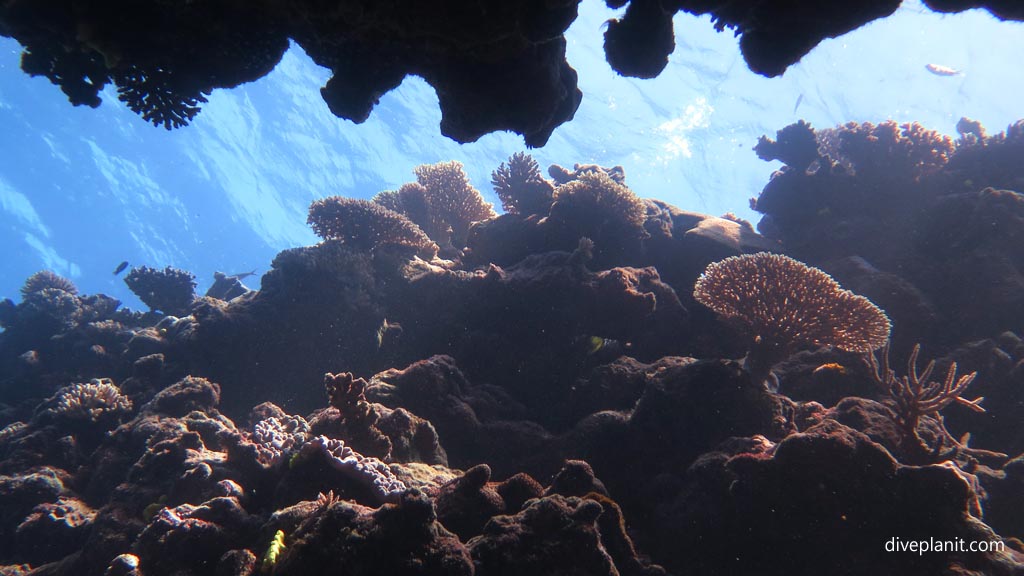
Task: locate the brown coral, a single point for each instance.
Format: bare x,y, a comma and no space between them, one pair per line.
170,290
916,396
784,304
44,279
887,148
599,207
366,225
454,203
521,187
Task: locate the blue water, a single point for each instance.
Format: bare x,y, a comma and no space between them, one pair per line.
83,189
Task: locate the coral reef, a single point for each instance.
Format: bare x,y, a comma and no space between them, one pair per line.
358,373
783,304
365,225
170,290
937,216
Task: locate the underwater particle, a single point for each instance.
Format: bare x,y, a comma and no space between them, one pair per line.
120,267
273,552
783,304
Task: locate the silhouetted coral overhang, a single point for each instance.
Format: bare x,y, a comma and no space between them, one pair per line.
495,66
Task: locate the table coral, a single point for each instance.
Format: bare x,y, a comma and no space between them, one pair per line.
170,290
783,304
365,225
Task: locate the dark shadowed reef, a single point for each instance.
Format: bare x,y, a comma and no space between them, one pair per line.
438,389
495,66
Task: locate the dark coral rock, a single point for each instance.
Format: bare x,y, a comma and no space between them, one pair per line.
827,499
54,530
193,538
553,534
191,393
403,539
576,478
251,344
795,145
690,406
465,504
1004,497
237,563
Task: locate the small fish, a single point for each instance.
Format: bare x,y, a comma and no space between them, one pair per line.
595,344
940,70
388,332
242,275
832,367
799,99
120,267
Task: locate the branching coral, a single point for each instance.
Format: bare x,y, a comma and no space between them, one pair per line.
99,400
917,397
170,290
365,225
886,148
783,304
411,201
521,187
596,206
346,394
454,203
156,95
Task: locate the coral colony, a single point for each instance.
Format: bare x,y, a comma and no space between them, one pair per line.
588,383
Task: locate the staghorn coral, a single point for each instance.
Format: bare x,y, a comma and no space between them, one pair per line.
454,203
170,290
365,225
783,304
45,280
521,187
916,397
